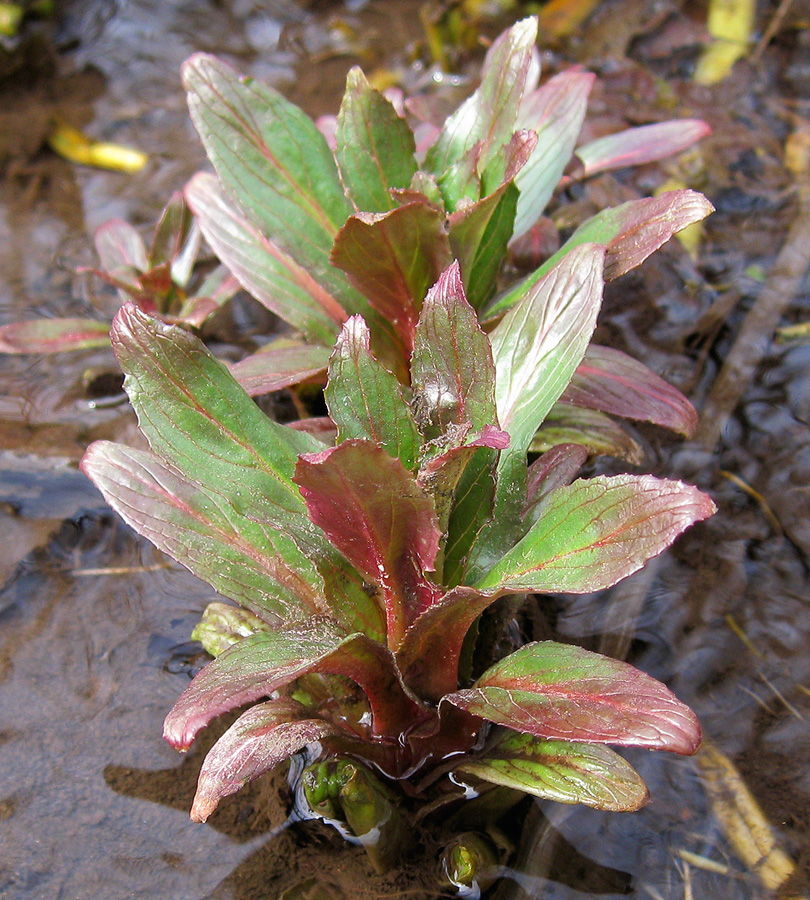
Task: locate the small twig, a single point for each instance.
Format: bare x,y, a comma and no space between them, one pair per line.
758,327
770,31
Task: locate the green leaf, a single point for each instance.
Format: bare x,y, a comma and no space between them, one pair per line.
375,146
479,234
263,269
260,739
53,335
375,513
489,115
555,112
594,532
562,692
198,418
365,400
537,346
393,258
274,163
250,562
539,343
562,771
452,371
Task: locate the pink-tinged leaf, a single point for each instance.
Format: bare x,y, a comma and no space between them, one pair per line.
375,513
597,433
264,270
562,771
273,368
393,258
452,372
258,566
615,383
479,234
53,335
489,115
374,146
217,289
119,246
365,400
258,665
562,692
257,742
629,233
636,146
431,649
539,343
558,466
556,112
594,532
274,164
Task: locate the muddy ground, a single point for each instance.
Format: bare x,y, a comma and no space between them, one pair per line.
95,624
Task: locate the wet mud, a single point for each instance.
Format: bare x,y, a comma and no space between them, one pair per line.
95,624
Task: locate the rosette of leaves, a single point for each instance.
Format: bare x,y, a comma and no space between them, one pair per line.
359,569
319,229
159,279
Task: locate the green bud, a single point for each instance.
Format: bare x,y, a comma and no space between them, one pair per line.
223,625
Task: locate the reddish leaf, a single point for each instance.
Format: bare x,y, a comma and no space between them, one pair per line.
273,368
613,382
429,654
260,739
375,513
452,372
262,663
563,692
53,335
558,466
254,563
594,532
629,233
393,258
636,146
119,246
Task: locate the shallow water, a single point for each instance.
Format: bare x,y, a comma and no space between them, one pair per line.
93,645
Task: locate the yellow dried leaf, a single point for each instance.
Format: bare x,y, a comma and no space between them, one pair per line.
743,822
730,23
74,146
560,18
